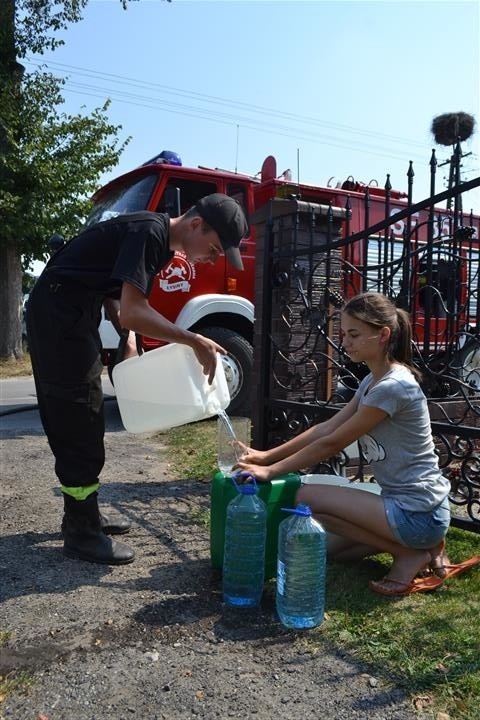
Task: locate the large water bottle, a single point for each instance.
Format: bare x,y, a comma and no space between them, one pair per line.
244,549
300,595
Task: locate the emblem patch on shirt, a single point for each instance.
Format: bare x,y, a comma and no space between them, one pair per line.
176,276
372,451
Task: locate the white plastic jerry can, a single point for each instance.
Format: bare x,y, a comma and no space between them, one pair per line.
166,387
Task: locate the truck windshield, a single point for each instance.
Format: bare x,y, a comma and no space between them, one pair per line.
134,195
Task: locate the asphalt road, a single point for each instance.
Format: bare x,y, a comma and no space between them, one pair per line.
18,401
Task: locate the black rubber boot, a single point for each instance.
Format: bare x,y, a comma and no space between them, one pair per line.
110,526
117,526
83,538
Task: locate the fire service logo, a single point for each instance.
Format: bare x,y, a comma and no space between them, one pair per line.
176,276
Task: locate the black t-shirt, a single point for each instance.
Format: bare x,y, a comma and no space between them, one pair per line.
131,248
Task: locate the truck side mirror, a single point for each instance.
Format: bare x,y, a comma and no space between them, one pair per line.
172,201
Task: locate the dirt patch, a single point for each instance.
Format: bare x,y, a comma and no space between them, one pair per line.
151,640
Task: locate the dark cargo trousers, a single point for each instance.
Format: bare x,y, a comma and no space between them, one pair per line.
65,348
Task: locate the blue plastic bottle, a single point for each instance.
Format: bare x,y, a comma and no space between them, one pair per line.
300,594
244,549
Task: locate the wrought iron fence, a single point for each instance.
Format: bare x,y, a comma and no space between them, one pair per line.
310,260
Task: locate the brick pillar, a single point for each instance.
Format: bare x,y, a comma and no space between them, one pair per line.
292,360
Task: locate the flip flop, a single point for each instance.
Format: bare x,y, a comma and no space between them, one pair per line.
457,568
427,584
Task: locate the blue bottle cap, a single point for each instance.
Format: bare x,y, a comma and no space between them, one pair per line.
299,510
245,487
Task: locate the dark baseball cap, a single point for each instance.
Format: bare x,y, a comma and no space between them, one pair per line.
226,217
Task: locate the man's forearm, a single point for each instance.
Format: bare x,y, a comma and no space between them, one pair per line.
112,310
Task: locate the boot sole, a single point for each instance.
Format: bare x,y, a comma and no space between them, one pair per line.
73,555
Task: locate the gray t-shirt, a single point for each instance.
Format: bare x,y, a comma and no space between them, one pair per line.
400,449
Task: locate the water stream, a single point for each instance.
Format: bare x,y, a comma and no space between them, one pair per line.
228,425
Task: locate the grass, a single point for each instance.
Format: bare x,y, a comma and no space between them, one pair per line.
200,516
427,644
15,368
191,454
13,681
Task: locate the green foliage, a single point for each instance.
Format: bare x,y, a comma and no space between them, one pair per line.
50,162
53,164
36,20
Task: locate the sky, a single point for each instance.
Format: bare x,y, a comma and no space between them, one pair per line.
331,89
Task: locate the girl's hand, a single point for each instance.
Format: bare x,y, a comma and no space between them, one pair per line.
261,473
250,455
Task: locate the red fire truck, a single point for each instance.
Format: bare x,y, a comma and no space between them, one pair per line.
217,301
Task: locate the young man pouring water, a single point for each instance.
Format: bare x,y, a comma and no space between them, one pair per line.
112,263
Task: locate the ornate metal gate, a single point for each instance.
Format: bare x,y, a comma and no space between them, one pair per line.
305,271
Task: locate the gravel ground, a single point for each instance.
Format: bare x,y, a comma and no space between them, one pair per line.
149,640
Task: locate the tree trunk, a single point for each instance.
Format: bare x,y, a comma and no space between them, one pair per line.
11,303
10,259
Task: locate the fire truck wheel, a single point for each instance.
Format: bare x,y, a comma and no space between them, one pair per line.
238,367
469,364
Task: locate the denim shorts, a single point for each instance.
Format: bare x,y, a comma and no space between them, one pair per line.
418,529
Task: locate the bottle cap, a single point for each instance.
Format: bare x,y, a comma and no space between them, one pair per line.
245,487
299,510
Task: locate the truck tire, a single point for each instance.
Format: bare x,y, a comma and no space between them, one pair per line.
468,363
238,364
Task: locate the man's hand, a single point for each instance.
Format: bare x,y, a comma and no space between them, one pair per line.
206,351
137,314
130,346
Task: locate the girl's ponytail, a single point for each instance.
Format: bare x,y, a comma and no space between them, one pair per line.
400,346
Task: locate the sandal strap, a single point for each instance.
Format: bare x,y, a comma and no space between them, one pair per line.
401,583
